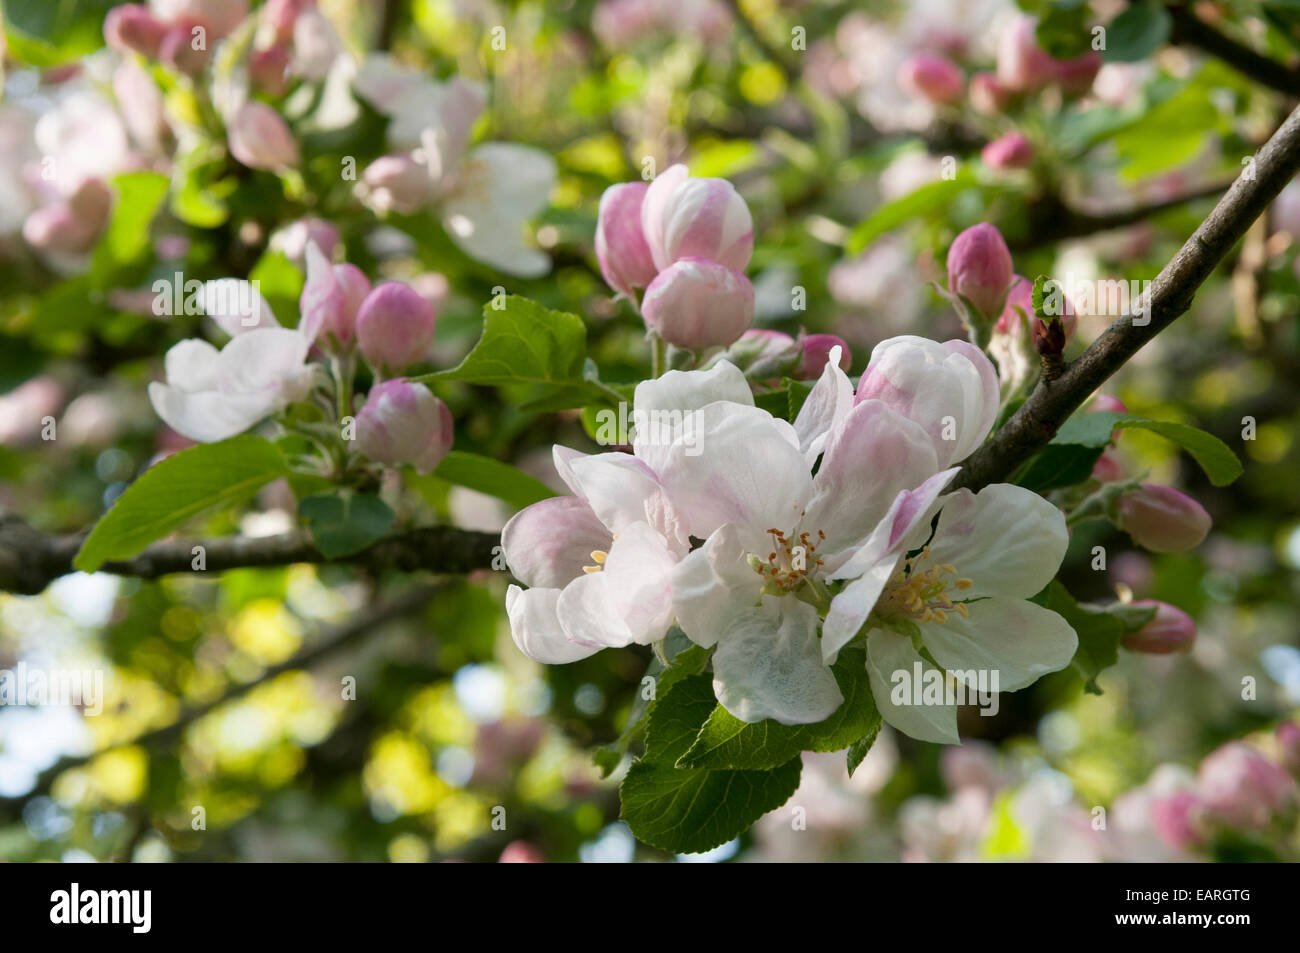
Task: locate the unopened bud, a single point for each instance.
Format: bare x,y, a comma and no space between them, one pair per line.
685,217
1012,151
1076,75
332,297
697,304
980,270
179,51
932,77
260,139
396,183
988,96
1162,519
403,422
132,27
1023,65
621,248
1170,630
395,326
815,351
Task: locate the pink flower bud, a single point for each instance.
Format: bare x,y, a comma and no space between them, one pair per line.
396,183
331,297
1175,819
521,852
180,49
402,422
697,304
1170,630
1023,65
980,269
292,240
932,77
269,69
684,217
260,139
1104,402
1012,151
132,27
816,351
394,326
763,354
1162,519
279,17
1076,75
1288,747
621,248
1108,468
72,226
988,97
1242,788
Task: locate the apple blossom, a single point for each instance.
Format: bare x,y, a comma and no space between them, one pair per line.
1012,151
332,296
980,270
260,139
988,96
403,422
131,27
934,77
1023,65
1170,630
292,240
698,304
1076,75
218,17
951,389
815,350
396,183
181,50
395,326
686,217
1162,519
1242,788
621,249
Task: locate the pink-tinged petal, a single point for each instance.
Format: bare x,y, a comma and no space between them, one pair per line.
548,543
1019,640
769,665
892,664
629,600
535,627
826,405
653,209
621,249
623,490
1007,540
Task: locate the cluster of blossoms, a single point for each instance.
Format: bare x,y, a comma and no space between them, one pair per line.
1023,69
212,394
815,535
686,241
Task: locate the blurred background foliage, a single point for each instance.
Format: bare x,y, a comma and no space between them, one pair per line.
450,726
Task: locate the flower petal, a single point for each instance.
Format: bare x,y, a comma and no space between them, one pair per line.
629,600
504,184
1007,540
769,665
1018,639
712,585
888,653
205,416
548,543
827,404
536,629
236,306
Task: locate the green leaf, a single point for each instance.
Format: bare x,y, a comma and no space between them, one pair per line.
727,742
52,32
1069,458
859,750
279,281
493,478
177,489
1063,30
345,523
923,201
1137,32
139,194
690,810
1099,630
525,343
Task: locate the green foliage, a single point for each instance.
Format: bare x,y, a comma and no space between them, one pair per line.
53,32
492,477
175,490
727,742
1099,631
345,523
691,810
126,240
927,199
1140,30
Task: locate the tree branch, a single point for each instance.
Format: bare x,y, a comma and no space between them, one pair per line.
1191,30
31,560
1168,297
364,623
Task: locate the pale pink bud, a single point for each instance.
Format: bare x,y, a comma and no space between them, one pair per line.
683,217
816,351
1108,468
403,422
293,239
932,77
1243,788
1076,75
1162,519
181,50
269,69
1288,747
1023,65
521,852
980,269
260,139
621,248
988,97
1012,151
1174,818
1107,402
395,326
396,183
72,226
332,296
132,27
697,304
1170,630
279,17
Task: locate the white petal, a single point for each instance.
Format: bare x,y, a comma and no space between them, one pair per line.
267,363
852,604
712,585
191,365
769,665
503,185
691,390
629,601
548,543
1020,640
888,653
908,518
826,405
622,490
205,416
536,629
236,306
1008,540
